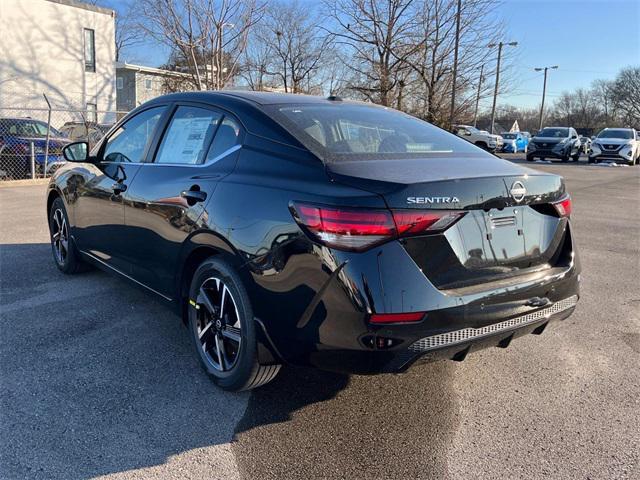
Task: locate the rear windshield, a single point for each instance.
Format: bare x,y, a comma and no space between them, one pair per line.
508,136
615,134
348,132
554,132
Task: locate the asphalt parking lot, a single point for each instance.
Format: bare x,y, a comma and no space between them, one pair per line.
97,379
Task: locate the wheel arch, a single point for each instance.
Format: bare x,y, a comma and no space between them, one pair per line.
197,249
51,197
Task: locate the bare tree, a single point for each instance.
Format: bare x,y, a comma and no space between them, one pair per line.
290,48
128,33
209,35
431,58
377,36
626,95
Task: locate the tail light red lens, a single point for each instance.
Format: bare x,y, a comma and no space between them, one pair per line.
357,229
563,207
384,318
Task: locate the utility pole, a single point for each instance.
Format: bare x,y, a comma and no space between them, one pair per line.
475,115
544,91
455,67
495,91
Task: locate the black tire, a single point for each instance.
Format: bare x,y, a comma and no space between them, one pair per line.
217,316
566,157
65,255
482,145
576,157
592,160
530,158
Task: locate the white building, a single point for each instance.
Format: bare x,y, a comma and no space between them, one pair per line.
64,48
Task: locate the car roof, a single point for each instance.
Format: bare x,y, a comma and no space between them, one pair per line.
255,98
20,118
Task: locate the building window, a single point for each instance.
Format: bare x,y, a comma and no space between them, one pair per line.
89,50
92,112
147,84
119,83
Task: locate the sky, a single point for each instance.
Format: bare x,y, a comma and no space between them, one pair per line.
587,39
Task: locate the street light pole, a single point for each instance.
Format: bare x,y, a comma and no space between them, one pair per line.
475,115
544,91
219,70
495,90
455,66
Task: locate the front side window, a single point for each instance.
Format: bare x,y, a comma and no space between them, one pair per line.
130,141
188,136
348,132
89,50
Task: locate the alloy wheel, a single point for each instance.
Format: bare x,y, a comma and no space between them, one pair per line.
60,236
218,324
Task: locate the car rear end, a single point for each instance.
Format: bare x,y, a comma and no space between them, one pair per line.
464,251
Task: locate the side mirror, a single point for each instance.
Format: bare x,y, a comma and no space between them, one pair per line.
76,152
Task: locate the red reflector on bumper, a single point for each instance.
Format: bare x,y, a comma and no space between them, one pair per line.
397,317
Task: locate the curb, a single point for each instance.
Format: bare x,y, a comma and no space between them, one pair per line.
24,183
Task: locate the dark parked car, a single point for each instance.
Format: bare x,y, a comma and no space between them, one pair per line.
16,137
555,142
312,231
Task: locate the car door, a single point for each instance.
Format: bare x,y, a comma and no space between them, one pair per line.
168,198
98,209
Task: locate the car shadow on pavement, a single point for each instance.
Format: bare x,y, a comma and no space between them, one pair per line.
315,424
98,378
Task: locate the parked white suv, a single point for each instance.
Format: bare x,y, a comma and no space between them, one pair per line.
479,137
617,144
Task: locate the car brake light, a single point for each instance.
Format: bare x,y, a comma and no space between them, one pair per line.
358,229
563,207
383,318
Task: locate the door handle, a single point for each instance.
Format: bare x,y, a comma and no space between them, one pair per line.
118,188
194,195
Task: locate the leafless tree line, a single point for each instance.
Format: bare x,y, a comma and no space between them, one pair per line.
397,53
607,103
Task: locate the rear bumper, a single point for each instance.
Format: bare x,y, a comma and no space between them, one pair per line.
336,334
451,346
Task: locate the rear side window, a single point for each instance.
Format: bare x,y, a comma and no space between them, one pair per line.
347,132
188,136
226,137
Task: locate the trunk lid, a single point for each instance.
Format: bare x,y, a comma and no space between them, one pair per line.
509,229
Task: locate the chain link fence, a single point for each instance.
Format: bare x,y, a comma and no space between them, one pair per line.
31,140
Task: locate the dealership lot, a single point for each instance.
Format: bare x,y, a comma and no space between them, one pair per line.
97,378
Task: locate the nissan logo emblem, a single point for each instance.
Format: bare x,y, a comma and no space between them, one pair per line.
518,191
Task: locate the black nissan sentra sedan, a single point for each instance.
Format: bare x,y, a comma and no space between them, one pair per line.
316,231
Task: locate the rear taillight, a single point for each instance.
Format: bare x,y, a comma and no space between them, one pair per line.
563,207
358,229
